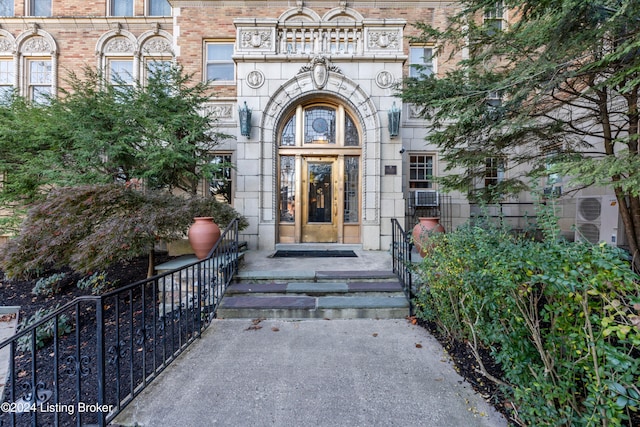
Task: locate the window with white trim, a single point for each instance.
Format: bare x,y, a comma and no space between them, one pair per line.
120,71
6,8
39,7
421,171
39,80
7,77
158,8
219,62
421,61
121,8
494,17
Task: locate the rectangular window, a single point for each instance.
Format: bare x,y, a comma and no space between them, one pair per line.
494,17
121,72
159,8
219,63
7,78
40,8
220,184
6,8
40,78
121,8
421,61
493,171
420,171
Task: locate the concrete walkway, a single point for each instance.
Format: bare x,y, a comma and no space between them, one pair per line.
313,372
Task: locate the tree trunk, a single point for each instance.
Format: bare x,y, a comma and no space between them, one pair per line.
152,263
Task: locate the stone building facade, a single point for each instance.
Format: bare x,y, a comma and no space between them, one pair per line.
318,162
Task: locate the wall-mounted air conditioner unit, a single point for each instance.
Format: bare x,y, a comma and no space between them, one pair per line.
426,198
597,220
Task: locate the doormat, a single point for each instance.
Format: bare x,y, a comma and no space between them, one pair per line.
314,254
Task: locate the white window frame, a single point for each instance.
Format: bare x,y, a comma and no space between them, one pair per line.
7,75
148,7
415,183
208,61
33,82
111,4
131,77
495,16
420,60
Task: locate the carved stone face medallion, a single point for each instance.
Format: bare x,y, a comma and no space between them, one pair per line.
255,79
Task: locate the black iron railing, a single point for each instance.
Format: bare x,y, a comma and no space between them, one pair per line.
401,253
82,364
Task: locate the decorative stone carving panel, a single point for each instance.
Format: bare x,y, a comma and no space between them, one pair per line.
36,45
384,39
257,39
119,45
5,45
222,112
157,45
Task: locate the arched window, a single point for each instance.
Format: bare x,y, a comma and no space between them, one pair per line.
320,124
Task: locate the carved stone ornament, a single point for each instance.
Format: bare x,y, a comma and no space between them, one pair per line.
256,39
220,111
157,45
383,39
320,67
255,79
5,45
119,45
36,44
384,79
415,111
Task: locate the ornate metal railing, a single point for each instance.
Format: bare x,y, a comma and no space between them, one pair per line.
82,364
401,255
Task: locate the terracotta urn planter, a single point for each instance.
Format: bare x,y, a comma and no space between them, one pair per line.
422,232
203,234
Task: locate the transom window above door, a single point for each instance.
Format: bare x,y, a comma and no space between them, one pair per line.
323,125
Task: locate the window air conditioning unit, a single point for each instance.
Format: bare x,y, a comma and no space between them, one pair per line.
426,198
597,220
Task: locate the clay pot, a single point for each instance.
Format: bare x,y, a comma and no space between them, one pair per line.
203,234
423,230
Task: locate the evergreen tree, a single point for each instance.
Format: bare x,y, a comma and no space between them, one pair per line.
554,89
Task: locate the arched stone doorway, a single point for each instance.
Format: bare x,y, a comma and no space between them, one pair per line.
355,218
319,175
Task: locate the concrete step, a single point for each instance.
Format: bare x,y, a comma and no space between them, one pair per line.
362,296
313,276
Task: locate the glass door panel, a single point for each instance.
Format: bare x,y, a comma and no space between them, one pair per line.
320,202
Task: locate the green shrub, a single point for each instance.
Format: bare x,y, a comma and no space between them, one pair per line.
561,319
44,332
49,286
97,283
